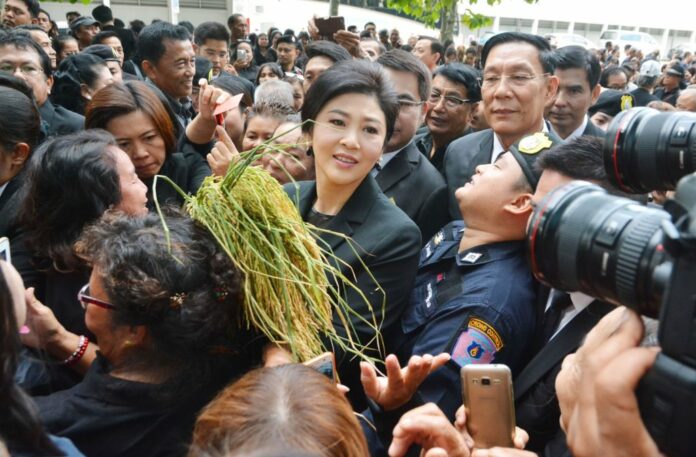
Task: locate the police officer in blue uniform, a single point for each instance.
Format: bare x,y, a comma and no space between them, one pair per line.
474,296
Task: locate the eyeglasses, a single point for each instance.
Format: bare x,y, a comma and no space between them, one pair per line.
516,80
405,103
85,299
27,70
451,101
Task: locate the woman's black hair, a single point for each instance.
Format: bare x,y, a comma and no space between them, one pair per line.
74,71
20,426
275,68
20,121
72,180
59,42
183,288
352,77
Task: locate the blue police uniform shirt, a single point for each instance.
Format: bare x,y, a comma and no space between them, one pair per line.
477,305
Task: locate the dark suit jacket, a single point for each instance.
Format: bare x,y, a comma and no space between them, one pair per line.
536,405
60,121
10,202
388,243
593,130
416,187
463,156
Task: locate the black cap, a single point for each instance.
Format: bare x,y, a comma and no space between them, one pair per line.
527,151
82,20
611,102
675,70
101,50
289,39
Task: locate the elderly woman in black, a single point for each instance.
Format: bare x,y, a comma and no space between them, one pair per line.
164,313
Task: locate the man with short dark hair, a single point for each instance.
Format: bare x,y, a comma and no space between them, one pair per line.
647,80
371,28
568,315
84,29
321,55
614,78
71,16
39,35
169,64
25,59
395,39
452,100
238,27
578,74
403,173
104,15
372,48
212,41
20,12
286,48
430,51
517,85
671,79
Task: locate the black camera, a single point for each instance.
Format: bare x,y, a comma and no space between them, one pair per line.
580,238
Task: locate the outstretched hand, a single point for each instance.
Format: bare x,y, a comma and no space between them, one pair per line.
400,384
223,153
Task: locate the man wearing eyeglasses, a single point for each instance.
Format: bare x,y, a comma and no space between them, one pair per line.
452,102
517,84
20,56
403,173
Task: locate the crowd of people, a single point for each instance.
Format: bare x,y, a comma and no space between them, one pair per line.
418,164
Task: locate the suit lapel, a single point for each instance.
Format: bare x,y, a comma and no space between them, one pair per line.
566,342
398,168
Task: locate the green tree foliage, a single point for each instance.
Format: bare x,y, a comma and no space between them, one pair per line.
445,11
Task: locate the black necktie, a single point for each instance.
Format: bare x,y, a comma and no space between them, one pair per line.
560,301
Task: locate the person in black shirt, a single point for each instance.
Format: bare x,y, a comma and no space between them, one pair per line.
671,80
139,121
165,312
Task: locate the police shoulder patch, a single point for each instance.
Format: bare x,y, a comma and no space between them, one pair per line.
532,144
478,343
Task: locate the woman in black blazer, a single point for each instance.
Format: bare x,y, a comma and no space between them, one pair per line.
354,109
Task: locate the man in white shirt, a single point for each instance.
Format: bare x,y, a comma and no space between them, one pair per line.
517,85
578,73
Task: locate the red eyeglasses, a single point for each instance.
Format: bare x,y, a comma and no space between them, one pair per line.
85,299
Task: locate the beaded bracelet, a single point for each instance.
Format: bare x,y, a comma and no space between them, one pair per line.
79,352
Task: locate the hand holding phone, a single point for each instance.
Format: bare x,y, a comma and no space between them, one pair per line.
327,26
488,399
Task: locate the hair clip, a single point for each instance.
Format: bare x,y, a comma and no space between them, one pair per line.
177,300
220,293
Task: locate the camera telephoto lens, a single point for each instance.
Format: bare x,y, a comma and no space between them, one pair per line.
646,150
580,238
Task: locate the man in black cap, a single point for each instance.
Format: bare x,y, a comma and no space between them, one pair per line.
474,296
84,29
609,104
671,79
110,57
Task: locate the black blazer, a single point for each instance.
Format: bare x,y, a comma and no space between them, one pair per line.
10,202
536,405
388,243
60,121
415,185
463,156
593,130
